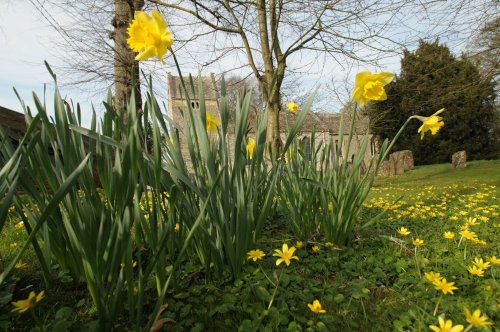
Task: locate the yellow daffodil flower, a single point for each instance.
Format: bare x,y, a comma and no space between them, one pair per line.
445,287
316,307
446,326
250,148
299,244
149,36
432,276
474,270
476,319
255,254
212,122
448,235
431,123
293,107
370,87
418,242
480,264
24,305
285,255
403,231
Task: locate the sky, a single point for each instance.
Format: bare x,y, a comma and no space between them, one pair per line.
26,42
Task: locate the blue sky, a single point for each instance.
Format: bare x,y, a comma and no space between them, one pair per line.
26,41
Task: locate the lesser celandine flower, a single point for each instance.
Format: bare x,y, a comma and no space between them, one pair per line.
149,35
403,231
328,244
480,264
469,235
418,242
293,107
255,254
493,260
316,249
285,255
299,244
316,307
443,286
448,235
446,326
370,87
474,270
476,319
212,122
250,148
432,276
24,305
432,123
177,227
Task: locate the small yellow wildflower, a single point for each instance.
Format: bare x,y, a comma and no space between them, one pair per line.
432,276
330,206
403,231
293,107
469,235
212,122
13,245
445,287
328,244
285,255
493,260
474,270
471,222
24,305
149,35
371,87
316,249
299,244
20,265
316,307
480,264
446,326
418,242
476,319
255,254
250,148
448,235
177,227
19,225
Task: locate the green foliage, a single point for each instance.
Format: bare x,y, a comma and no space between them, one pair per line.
432,78
323,188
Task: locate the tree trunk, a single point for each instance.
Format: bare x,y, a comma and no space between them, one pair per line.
125,64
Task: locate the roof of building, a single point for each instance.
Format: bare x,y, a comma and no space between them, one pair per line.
12,120
209,88
320,122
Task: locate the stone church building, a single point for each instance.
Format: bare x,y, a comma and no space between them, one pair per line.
325,125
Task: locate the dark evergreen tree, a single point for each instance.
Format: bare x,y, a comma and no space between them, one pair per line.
432,78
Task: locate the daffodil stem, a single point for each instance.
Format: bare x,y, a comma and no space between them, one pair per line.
275,289
416,262
437,305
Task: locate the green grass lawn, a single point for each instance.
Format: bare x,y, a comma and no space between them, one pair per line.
377,283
